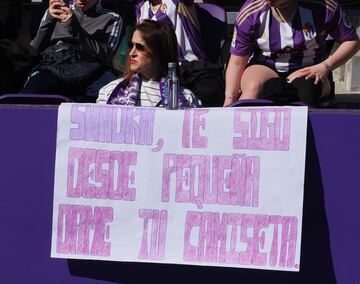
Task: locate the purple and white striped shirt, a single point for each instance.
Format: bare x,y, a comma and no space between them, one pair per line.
181,15
290,46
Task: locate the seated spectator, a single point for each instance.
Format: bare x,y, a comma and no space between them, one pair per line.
284,43
76,43
181,15
152,47
16,56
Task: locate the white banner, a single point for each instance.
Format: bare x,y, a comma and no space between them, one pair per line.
215,187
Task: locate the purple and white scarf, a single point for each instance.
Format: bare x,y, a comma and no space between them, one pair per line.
127,92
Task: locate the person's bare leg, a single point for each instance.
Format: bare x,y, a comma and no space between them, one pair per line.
253,79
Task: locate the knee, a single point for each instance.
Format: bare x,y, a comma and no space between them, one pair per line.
252,88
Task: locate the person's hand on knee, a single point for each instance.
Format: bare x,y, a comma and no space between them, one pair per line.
317,72
296,74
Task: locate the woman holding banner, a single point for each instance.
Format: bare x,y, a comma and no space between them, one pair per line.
285,41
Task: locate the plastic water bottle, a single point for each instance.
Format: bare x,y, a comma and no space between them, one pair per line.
172,87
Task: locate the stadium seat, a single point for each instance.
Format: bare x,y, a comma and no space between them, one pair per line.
34,99
262,102
254,102
213,25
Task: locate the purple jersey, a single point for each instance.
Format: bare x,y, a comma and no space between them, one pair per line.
290,46
181,15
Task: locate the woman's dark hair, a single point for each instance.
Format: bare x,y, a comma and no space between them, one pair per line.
161,41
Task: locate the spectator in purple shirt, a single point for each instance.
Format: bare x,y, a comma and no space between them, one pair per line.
196,73
287,39
181,16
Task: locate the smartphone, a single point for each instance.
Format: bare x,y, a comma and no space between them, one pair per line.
66,2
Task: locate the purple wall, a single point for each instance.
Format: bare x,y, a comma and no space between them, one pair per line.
337,142
331,228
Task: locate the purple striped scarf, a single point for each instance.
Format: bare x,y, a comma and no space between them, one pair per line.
127,92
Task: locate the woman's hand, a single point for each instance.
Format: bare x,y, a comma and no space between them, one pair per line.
318,72
228,101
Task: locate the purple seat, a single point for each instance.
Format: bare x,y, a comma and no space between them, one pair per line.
213,24
255,102
263,102
34,99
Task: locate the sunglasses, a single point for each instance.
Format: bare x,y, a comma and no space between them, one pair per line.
138,46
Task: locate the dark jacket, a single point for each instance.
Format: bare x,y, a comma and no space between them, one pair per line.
97,31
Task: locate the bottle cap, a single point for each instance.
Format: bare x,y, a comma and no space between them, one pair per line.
171,65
